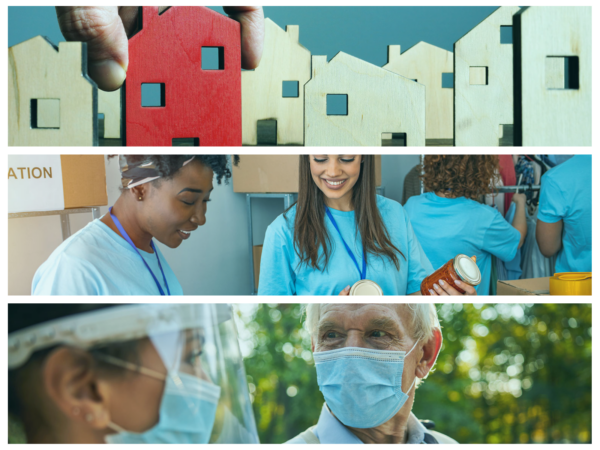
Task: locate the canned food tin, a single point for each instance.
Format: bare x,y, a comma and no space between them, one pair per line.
460,268
366,287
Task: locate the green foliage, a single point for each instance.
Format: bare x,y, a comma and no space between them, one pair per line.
506,373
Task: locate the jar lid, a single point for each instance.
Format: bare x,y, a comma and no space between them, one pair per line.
366,287
467,270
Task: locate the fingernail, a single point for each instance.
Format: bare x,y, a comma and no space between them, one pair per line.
442,283
431,292
458,283
436,286
108,74
347,288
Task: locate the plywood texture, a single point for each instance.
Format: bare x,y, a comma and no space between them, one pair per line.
480,108
546,113
426,63
379,101
39,70
109,104
203,104
283,59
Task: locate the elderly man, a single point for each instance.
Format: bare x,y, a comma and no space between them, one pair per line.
369,359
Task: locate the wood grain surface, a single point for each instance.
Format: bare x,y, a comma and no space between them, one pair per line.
67,103
283,59
379,101
202,104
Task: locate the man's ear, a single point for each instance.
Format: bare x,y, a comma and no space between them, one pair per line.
431,350
71,383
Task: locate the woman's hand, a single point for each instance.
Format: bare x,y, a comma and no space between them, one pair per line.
346,291
445,289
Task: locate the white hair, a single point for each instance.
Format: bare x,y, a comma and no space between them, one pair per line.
423,319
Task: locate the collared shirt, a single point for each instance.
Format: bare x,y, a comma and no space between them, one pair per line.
330,430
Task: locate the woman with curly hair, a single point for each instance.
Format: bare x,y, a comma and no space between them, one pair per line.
163,197
338,232
448,219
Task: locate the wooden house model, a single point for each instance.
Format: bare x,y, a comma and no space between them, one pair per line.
109,117
553,76
51,99
273,93
429,65
483,83
190,56
351,102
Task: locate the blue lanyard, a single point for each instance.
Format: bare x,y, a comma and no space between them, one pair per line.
363,273
128,239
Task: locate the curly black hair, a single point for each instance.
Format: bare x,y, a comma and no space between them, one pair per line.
168,165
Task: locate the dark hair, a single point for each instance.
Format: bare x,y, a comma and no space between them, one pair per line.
310,232
21,316
469,176
169,165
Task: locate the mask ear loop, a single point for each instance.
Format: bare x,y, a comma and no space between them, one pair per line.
415,379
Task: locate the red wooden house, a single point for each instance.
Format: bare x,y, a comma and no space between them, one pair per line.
169,57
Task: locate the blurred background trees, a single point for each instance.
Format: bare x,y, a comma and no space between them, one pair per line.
507,373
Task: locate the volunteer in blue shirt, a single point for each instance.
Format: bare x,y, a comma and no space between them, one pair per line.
564,221
163,197
316,247
448,220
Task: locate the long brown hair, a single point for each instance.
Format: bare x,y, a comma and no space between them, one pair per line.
310,232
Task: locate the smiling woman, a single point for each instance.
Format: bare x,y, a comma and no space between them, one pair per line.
340,232
163,197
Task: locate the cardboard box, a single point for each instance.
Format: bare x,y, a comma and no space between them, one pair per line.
55,182
274,174
531,286
256,254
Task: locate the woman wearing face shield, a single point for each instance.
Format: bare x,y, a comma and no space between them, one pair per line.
127,374
164,197
339,231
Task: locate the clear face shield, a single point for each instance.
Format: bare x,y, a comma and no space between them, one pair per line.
192,349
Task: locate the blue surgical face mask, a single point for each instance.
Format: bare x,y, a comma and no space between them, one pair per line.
362,386
187,414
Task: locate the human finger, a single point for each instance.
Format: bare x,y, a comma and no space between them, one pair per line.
439,290
101,27
252,27
469,290
346,291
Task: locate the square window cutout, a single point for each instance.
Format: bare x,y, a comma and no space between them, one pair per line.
266,132
562,72
185,142
447,80
506,36
45,113
393,139
478,75
213,58
289,89
337,104
153,95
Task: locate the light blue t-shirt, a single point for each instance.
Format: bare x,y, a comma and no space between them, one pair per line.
97,261
280,273
567,195
447,227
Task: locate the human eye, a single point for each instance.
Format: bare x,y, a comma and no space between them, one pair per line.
331,335
348,160
319,159
193,357
378,334
188,203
